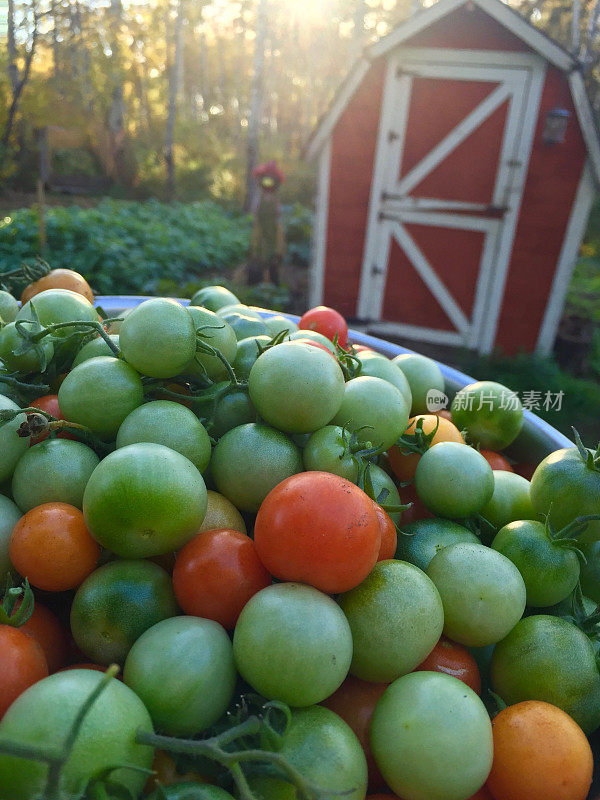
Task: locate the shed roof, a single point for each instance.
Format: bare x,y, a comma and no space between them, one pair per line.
538,41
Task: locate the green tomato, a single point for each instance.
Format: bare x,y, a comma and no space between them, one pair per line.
491,414
217,333
421,540
183,670
396,618
423,375
143,500
116,604
453,480
9,516
482,592
510,500
100,393
432,737
590,571
97,347
315,336
168,423
378,366
233,409
325,751
292,643
250,460
547,658
326,451
33,360
550,570
278,323
564,486
188,790
12,446
158,338
375,409
213,298
381,481
58,305
239,308
245,325
44,715
247,353
55,470
297,388
9,307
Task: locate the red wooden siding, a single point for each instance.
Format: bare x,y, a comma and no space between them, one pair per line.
467,28
552,181
454,254
353,147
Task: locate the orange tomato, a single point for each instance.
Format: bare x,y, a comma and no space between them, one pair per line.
215,575
290,526
540,753
389,537
453,659
59,279
405,466
22,663
52,547
44,627
354,702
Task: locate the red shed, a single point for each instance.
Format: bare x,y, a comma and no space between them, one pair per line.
452,200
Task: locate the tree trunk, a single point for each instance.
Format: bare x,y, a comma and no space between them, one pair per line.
54,13
256,102
174,74
116,114
17,82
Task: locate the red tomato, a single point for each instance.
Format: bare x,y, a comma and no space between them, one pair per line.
22,663
320,529
496,460
354,702
44,627
526,469
389,537
327,321
49,404
408,494
215,575
453,659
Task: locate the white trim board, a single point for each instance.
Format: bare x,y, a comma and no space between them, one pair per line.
567,259
319,241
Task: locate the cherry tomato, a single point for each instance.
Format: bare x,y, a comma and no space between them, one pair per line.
59,279
497,460
491,414
312,343
215,575
49,403
423,376
289,532
43,625
327,321
22,663
389,537
52,547
213,298
453,659
405,466
354,702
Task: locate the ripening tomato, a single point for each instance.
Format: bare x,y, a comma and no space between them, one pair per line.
215,575
354,702
389,537
405,466
49,404
497,460
52,547
327,321
540,753
22,663
59,279
313,343
453,659
43,626
289,532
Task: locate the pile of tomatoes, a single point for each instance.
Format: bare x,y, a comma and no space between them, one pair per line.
237,510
